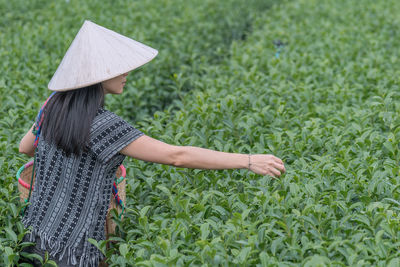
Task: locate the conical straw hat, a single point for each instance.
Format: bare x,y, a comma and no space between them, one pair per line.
98,54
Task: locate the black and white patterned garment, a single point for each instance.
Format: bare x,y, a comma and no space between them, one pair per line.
71,194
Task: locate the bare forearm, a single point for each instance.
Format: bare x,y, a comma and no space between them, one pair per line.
152,150
26,144
201,158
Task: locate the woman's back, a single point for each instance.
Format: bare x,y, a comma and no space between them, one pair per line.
72,193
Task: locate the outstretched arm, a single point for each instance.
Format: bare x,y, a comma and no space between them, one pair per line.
152,150
26,144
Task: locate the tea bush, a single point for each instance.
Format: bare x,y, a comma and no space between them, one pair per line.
325,101
315,83
34,36
188,34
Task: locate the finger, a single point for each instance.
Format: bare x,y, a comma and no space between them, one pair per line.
275,172
276,159
279,166
284,169
279,160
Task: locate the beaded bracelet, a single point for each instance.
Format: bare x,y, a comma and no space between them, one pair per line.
249,162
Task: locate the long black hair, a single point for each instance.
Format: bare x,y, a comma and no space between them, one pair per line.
68,117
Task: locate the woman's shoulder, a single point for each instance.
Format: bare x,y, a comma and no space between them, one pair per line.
109,134
105,118
103,113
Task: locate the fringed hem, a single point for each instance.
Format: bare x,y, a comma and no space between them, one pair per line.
90,260
54,247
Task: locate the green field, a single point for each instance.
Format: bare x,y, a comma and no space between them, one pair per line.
325,102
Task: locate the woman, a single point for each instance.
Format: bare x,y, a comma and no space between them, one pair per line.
81,145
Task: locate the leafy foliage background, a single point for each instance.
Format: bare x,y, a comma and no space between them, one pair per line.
327,105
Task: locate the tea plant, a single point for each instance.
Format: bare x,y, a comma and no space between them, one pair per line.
327,105
314,82
34,36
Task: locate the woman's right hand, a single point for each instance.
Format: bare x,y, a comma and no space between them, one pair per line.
265,164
